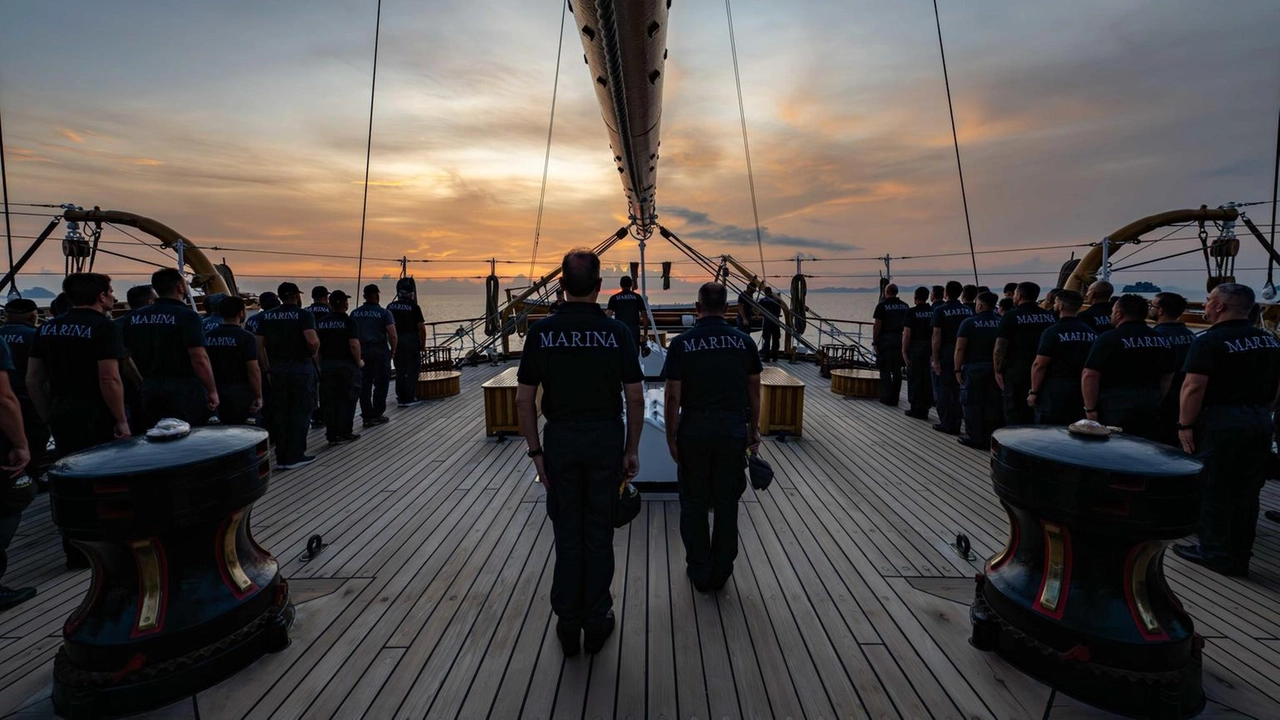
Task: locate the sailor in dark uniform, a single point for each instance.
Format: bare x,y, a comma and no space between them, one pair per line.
979,395
411,337
266,301
1020,331
626,306
1166,311
1232,378
19,333
340,365
319,306
165,340
138,296
1128,371
712,416
746,313
378,341
946,322
211,318
1055,375
889,319
1010,290
233,352
937,296
585,364
290,346
1005,306
969,298
917,348
770,330
1051,301
15,456
1100,303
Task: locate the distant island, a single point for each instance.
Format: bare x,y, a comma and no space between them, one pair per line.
1141,286
37,292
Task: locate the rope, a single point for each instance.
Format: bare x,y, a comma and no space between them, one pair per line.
1148,262
955,137
4,186
1275,195
368,150
746,146
546,160
492,323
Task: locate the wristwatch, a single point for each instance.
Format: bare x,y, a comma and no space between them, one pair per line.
535,453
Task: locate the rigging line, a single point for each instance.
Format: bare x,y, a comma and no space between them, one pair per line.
955,137
1144,245
551,124
1275,189
157,248
368,150
746,146
130,257
4,186
1148,262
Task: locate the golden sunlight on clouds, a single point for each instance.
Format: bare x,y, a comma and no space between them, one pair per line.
71,135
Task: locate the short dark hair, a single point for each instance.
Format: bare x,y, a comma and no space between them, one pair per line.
988,299
60,305
891,290
1172,303
211,302
625,282
713,297
84,288
922,294
138,296
580,272
318,292
268,300
954,288
1005,305
370,289
1010,287
1070,299
230,307
936,291
1028,290
166,281
1238,297
970,293
1132,306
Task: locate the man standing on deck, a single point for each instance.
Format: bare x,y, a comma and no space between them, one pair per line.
979,394
233,352
969,298
1166,310
211,318
1055,374
890,317
290,346
1128,371
946,322
712,416
1100,302
770,330
936,296
1232,377
411,335
340,365
378,342
625,306
15,457
19,333
917,347
1011,290
318,308
746,313
165,340
586,366
1015,353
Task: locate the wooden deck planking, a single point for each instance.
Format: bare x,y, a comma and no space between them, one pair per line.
431,599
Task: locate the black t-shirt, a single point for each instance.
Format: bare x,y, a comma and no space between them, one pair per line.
1180,338
318,310
407,316
209,323
19,338
582,359
1241,361
159,336
1098,315
770,304
1067,344
892,314
230,349
980,332
1022,327
626,306
744,306
251,323
920,322
70,347
712,360
948,316
1131,356
282,330
336,331
371,323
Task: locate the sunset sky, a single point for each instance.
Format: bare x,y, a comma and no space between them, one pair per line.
243,123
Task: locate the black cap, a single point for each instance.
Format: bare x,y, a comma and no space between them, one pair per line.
337,296
268,300
288,289
370,289
21,305
318,292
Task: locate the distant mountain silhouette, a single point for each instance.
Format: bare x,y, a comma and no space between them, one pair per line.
38,292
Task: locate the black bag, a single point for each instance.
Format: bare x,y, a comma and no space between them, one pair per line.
628,505
760,471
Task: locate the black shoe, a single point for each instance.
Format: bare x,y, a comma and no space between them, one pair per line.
595,634
317,424
570,638
699,583
917,415
12,597
1192,554
380,420
968,442
890,403
351,437
943,429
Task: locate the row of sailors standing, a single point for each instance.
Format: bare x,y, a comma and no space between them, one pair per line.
1210,394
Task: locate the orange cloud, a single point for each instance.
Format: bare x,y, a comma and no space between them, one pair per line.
71,135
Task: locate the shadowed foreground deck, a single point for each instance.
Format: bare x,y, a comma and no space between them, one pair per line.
847,601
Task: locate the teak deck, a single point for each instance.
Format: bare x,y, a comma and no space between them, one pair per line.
847,601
